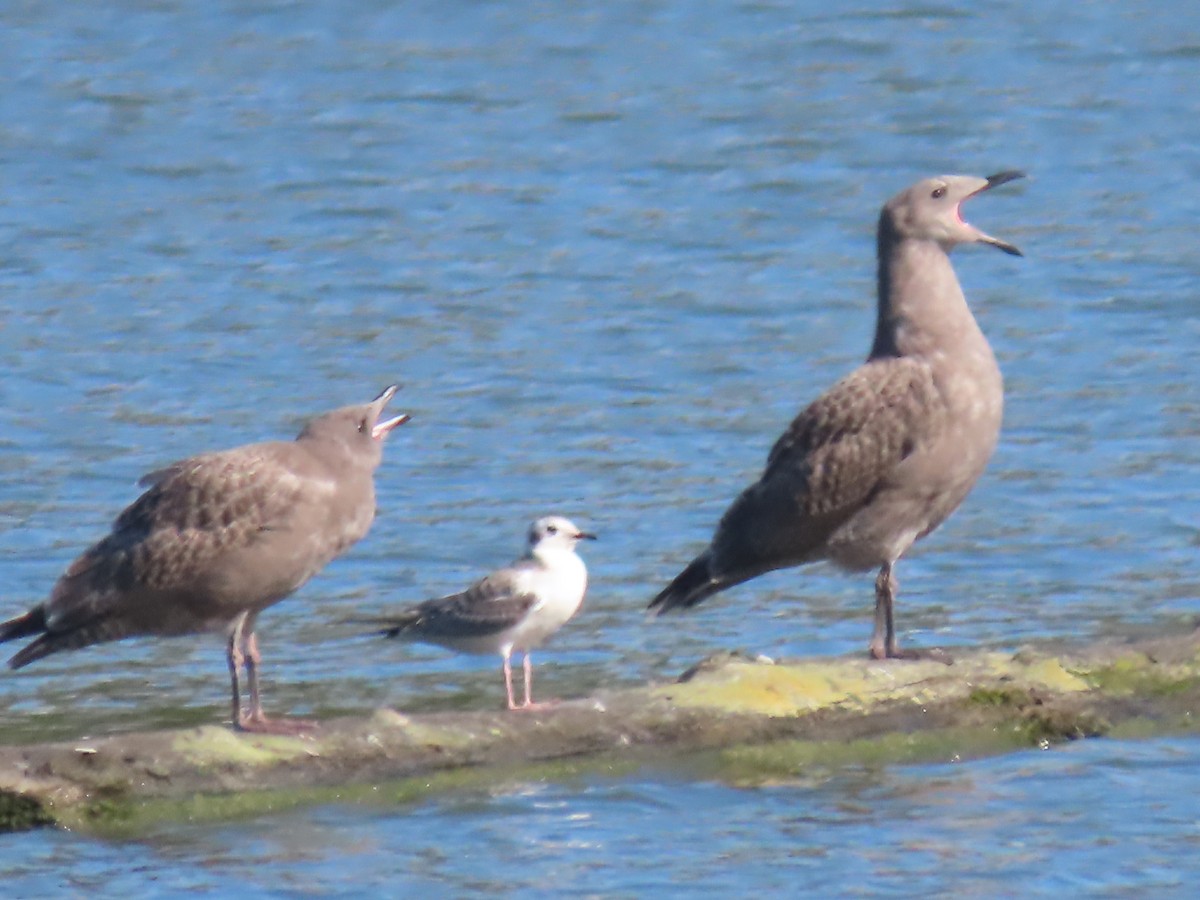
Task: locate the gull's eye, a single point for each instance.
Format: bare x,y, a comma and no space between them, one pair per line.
551,529
938,193
362,426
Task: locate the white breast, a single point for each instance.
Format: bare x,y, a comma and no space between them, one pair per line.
559,583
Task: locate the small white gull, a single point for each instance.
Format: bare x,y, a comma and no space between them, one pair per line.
513,609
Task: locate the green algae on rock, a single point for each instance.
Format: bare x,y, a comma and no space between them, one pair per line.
752,719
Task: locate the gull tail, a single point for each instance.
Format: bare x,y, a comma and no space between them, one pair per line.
28,625
399,625
390,626
33,624
693,584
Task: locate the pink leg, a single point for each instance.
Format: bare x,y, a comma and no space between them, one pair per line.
883,641
529,704
512,704
253,658
233,655
528,665
254,720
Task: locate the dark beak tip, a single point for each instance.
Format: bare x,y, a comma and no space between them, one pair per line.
1010,249
387,393
1004,177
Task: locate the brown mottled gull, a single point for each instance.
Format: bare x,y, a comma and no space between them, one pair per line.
886,454
215,540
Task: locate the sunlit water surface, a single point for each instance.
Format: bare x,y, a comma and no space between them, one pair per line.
1105,817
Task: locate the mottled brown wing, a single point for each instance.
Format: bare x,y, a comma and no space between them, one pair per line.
487,607
835,454
170,537
854,434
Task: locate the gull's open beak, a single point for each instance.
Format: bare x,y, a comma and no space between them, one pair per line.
382,429
993,181
1003,178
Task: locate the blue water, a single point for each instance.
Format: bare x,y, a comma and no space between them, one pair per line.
1108,818
609,250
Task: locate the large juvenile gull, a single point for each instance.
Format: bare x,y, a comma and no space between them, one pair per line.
217,539
515,608
885,455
